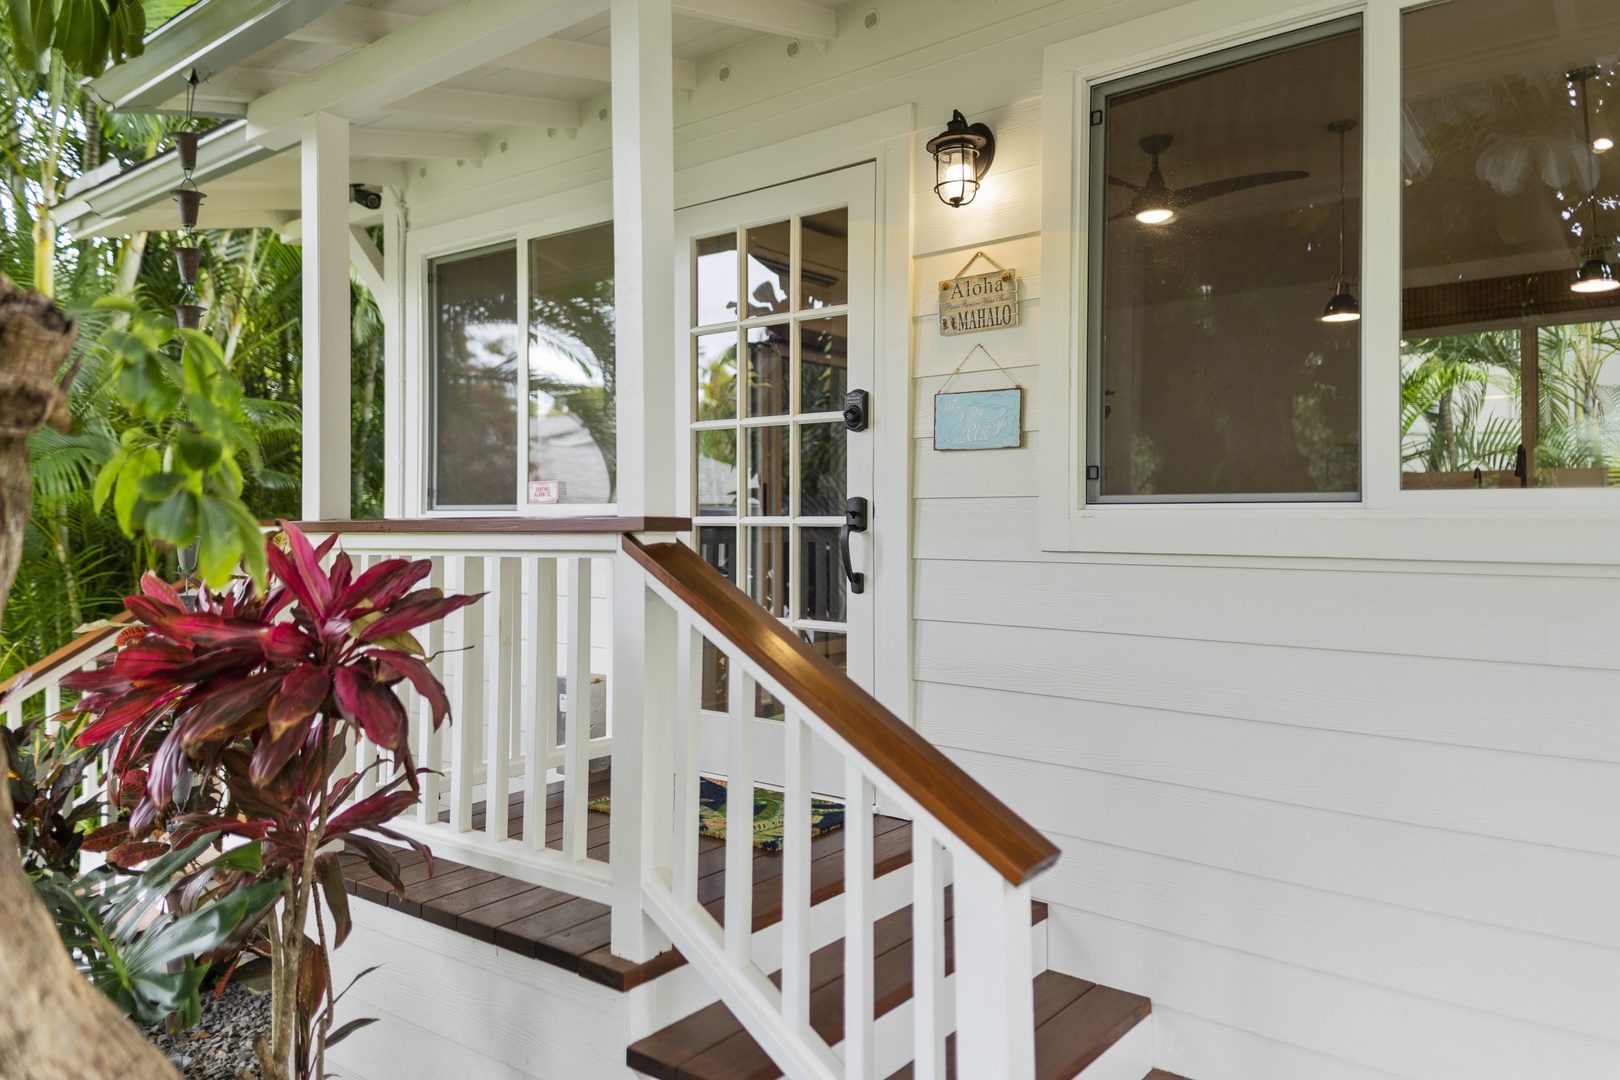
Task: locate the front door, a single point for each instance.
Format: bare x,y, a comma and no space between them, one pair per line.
777,291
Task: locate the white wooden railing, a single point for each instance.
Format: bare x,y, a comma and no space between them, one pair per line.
500,661
962,838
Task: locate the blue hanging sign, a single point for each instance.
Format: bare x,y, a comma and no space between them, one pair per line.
979,420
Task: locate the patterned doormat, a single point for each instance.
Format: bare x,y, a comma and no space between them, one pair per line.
825,816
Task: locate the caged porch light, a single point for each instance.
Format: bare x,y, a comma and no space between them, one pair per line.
962,155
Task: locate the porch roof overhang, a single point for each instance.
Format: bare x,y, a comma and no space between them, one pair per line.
417,80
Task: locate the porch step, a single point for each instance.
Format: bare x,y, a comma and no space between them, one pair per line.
1075,1020
573,933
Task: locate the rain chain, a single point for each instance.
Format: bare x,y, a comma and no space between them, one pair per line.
187,255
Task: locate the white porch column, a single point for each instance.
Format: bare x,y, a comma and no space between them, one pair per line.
644,237
392,303
325,152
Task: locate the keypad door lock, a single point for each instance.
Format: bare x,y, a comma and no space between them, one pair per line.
857,410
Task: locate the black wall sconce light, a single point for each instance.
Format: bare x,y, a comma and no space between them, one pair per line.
962,155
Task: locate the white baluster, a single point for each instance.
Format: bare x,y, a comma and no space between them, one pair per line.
577,729
688,736
464,673
796,875
740,818
500,607
859,998
429,744
929,1004
995,996
540,697
53,705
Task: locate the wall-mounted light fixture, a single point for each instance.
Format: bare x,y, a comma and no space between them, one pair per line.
962,155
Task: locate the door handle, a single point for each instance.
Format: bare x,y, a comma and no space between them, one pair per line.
854,522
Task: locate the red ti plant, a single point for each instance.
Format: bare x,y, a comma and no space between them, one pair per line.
254,697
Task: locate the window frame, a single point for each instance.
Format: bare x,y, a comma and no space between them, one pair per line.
1528,525
518,225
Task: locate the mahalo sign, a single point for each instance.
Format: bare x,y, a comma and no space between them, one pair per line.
980,301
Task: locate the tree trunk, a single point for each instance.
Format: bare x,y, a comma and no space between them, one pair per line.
53,1024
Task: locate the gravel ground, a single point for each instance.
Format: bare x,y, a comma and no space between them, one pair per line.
221,1047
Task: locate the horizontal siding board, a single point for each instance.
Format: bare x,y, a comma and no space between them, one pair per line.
1545,980
1374,1027
1511,619
1008,204
954,474
1531,887
934,355
1192,1045
1532,799
1459,702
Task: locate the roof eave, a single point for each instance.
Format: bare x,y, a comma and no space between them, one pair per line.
94,198
209,37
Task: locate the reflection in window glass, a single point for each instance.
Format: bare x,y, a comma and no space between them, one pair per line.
821,576
571,364
475,380
717,473
1505,373
769,387
769,470
823,468
717,376
823,364
769,264
769,567
717,279
831,646
824,243
1218,209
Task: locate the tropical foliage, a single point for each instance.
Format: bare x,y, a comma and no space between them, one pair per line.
251,698
1461,401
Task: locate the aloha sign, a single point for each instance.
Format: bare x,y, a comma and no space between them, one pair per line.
979,301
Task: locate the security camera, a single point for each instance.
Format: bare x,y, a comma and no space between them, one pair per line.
371,200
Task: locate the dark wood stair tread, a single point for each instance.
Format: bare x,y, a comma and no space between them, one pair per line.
712,1044
575,934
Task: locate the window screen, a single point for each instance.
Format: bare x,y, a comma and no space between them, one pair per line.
475,380
1225,220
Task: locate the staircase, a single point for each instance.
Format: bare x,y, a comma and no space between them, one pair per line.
1076,1022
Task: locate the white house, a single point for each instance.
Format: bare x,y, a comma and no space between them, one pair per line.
1289,613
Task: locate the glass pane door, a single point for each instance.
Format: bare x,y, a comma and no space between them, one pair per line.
770,363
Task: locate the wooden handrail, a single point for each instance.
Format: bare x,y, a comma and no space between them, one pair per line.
501,525
68,655
1015,848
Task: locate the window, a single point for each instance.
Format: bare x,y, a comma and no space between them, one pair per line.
1509,188
1226,236
571,365
566,433
475,380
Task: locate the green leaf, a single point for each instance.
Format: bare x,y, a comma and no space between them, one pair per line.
252,537
107,477
247,857
219,546
199,451
161,485
128,495
174,520
345,1030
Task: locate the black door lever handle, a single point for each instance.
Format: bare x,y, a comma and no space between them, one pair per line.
854,522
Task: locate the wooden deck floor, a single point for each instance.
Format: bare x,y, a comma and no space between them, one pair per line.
573,933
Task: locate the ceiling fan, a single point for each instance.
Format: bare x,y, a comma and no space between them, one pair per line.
1157,202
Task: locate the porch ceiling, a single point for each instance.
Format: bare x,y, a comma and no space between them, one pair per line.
410,95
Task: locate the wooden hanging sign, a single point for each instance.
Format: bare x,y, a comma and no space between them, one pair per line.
968,304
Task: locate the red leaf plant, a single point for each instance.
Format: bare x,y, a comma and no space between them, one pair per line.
255,696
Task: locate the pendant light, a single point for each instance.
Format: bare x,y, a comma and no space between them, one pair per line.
1342,307
1595,274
